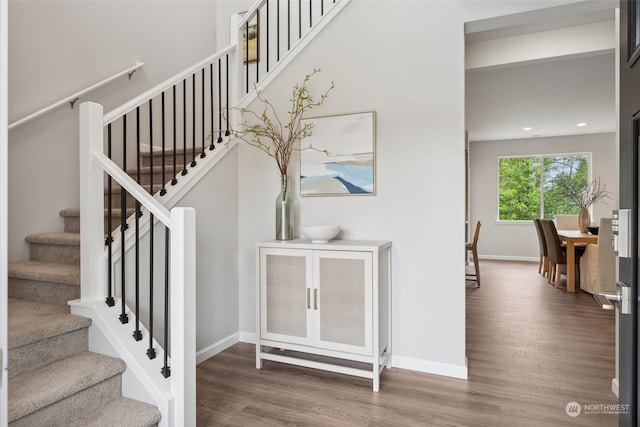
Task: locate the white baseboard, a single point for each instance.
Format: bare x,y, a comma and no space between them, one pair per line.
248,337
437,368
216,348
401,362
615,387
509,258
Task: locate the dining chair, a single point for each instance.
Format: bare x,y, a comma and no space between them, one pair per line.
543,265
473,247
556,253
598,264
566,222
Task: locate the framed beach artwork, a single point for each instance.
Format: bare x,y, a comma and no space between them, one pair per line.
349,168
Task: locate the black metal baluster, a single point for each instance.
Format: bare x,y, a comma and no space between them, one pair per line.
267,32
151,153
163,190
299,19
310,14
321,7
193,120
184,127
212,146
257,47
109,301
202,154
246,56
174,181
123,226
227,133
277,30
220,99
151,352
288,25
138,171
137,334
166,370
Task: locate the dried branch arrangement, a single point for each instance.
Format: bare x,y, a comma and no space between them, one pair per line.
588,194
270,134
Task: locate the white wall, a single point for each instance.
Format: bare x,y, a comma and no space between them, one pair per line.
503,240
226,8
57,48
543,45
3,212
408,67
216,202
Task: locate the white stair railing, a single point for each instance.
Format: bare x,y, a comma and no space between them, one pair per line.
181,223
204,92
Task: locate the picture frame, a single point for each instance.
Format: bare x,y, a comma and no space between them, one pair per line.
251,34
348,165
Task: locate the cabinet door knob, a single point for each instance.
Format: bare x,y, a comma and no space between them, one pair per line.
315,299
308,298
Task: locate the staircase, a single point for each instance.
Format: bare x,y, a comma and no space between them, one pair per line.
53,378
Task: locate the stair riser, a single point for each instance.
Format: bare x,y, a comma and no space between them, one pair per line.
72,224
68,254
70,407
157,157
45,292
145,178
32,356
116,201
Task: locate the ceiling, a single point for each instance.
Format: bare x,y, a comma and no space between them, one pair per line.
550,96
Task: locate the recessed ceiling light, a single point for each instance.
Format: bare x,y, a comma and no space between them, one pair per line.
581,124
527,128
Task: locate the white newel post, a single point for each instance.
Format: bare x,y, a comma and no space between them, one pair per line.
183,314
92,276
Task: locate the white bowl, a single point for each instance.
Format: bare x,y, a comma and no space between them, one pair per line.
320,233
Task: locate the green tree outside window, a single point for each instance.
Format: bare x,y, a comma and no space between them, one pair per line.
531,187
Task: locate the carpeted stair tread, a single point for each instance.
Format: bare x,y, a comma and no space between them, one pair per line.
68,239
55,272
121,412
116,188
114,212
168,152
47,385
31,321
156,169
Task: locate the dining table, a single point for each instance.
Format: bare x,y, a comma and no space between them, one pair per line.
571,237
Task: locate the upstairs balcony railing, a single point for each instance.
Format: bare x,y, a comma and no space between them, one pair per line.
270,30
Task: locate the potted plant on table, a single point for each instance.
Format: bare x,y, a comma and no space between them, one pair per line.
585,195
279,139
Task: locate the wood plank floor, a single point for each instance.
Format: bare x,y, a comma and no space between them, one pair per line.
532,349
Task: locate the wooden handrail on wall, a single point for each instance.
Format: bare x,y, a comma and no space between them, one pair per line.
71,99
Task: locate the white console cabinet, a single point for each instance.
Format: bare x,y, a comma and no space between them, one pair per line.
325,305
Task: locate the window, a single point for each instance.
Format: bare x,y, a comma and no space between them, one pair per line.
531,187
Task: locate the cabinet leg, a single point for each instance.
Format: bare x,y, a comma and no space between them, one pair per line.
258,358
